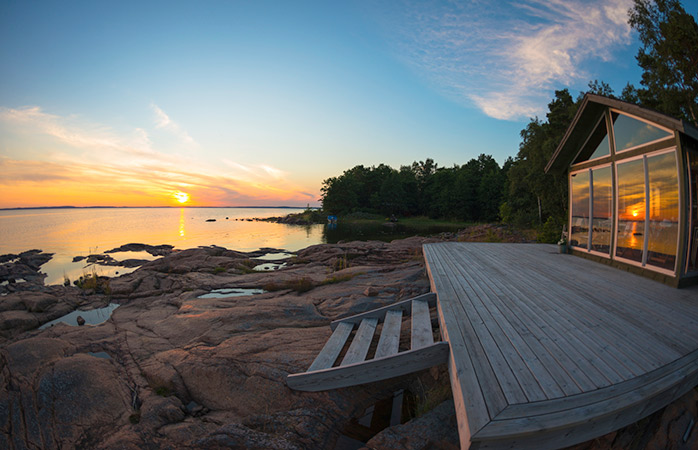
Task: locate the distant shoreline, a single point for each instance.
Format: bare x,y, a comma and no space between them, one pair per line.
152,207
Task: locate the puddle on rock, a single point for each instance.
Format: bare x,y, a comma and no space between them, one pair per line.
103,355
232,292
383,414
121,256
92,317
275,256
268,267
17,281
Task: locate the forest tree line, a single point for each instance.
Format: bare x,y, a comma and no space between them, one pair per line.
519,191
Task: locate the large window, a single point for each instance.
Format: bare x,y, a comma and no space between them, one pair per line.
648,210
631,210
592,204
663,210
602,210
631,133
579,228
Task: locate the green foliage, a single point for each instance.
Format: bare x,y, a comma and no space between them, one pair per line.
533,196
471,192
668,57
551,230
218,269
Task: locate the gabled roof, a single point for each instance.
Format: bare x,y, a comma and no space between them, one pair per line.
591,109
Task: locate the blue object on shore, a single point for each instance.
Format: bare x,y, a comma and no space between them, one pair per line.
331,219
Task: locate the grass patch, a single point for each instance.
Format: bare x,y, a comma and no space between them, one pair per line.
341,263
163,391
416,223
92,281
218,269
431,398
246,266
299,285
339,278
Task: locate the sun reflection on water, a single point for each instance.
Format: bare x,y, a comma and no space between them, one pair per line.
181,222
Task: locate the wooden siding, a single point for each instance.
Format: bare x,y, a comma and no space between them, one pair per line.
549,350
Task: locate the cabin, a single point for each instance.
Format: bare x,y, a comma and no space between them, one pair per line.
633,198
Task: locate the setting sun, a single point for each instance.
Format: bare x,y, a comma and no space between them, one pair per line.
182,197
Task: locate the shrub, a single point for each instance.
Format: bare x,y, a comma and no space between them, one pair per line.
550,231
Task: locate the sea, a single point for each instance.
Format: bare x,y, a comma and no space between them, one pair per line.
71,232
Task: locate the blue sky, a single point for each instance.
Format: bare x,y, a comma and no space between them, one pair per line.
255,103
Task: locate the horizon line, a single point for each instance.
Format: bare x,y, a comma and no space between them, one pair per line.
182,206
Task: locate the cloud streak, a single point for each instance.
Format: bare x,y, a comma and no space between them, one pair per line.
98,166
162,120
505,58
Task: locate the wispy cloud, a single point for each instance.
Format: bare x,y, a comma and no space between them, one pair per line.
162,120
507,57
77,133
255,172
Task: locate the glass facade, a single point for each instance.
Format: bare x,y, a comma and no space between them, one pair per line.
579,228
602,221
630,133
627,207
631,210
663,205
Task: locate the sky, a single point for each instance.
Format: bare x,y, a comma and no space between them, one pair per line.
232,103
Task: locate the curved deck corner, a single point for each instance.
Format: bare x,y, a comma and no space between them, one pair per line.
549,350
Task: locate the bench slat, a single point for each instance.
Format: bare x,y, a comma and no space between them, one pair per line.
328,355
389,342
362,341
421,325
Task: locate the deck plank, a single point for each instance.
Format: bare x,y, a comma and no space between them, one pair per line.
549,349
586,327
389,341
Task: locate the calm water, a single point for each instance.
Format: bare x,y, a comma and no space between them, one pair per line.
80,232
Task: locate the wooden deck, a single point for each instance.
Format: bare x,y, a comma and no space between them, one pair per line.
549,350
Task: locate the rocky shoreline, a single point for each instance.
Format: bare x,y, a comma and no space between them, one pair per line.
173,369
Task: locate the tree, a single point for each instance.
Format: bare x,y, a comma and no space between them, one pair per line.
668,57
534,196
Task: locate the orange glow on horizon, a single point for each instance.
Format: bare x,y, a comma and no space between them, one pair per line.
30,184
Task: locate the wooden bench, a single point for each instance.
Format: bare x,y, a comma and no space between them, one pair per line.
388,361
